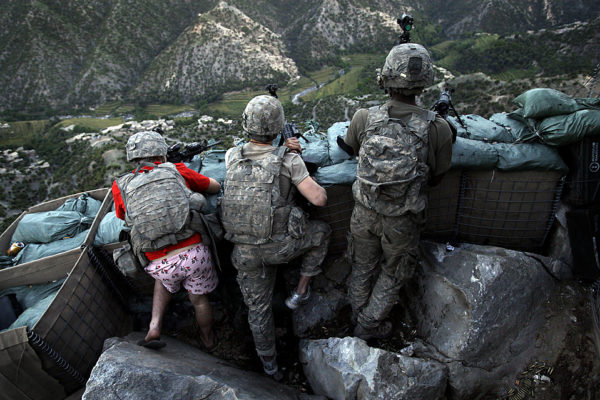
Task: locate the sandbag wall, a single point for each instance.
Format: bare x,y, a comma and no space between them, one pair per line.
54,357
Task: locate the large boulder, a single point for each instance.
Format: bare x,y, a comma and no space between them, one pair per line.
349,369
178,371
479,310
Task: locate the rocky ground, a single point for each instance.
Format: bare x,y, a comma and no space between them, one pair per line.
575,374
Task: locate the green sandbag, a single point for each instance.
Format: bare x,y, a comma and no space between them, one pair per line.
469,154
517,128
528,156
336,154
50,226
316,151
213,165
85,204
343,173
109,229
566,129
35,300
540,103
32,252
479,128
588,103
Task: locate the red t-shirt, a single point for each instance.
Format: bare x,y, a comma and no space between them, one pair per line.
195,181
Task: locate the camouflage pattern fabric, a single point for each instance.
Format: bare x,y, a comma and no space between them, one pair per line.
158,205
372,294
252,208
257,267
146,144
263,118
392,163
407,66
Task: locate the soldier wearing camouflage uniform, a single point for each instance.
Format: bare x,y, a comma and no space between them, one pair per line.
401,148
260,217
157,201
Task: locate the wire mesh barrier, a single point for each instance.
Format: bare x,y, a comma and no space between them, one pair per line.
508,209
43,347
83,314
337,214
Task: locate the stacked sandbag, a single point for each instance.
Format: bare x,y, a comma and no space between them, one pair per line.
52,232
555,118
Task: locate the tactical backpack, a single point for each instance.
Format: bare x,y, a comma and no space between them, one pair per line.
392,163
158,207
253,210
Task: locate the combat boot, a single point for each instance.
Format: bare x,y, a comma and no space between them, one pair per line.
270,367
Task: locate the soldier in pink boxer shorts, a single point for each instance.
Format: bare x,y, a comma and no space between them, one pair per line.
156,201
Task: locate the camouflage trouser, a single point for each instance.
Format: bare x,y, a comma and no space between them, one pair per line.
394,241
256,266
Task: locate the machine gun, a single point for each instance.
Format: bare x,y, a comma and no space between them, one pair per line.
185,152
443,105
406,23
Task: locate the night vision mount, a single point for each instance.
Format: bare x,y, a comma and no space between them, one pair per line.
406,23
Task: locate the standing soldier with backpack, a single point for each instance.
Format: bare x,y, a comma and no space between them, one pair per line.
401,148
157,201
261,218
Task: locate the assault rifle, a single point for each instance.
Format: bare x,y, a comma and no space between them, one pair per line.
290,130
185,152
443,105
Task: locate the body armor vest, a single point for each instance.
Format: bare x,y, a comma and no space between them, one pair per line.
253,210
158,204
392,163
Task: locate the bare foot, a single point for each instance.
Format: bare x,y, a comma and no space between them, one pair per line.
209,341
153,334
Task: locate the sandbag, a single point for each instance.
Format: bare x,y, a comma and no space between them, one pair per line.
479,128
84,204
49,226
588,103
529,156
316,151
34,251
109,229
516,127
336,154
34,299
213,165
566,129
467,153
343,173
540,103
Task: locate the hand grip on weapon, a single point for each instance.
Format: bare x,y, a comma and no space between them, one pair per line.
293,144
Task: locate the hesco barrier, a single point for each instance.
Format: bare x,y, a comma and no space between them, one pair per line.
65,259
55,356
337,214
508,209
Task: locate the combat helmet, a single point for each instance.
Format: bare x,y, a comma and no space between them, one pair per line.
407,66
263,118
146,144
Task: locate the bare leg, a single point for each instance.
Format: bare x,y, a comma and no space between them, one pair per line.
204,318
160,300
303,284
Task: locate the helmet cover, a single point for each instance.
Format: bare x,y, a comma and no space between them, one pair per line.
407,66
263,118
146,144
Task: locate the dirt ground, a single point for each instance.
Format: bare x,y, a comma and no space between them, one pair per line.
572,375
